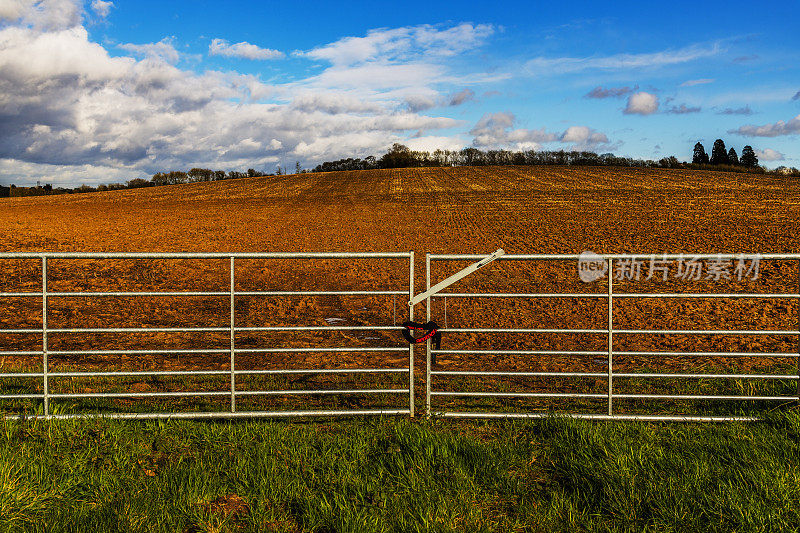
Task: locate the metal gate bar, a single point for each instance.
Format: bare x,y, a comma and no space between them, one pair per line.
610,331
232,329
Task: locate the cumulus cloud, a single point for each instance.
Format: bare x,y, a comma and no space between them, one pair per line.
12,9
776,129
565,65
163,50
692,83
493,130
768,154
66,103
611,92
333,104
736,111
682,109
641,103
496,130
102,8
584,138
431,143
23,173
245,50
43,14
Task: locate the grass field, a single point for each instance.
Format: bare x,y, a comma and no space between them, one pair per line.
395,475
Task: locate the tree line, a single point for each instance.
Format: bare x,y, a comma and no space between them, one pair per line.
401,156
719,156
173,177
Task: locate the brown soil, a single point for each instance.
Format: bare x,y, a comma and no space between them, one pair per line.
465,210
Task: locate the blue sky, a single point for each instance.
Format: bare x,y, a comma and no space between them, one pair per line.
98,91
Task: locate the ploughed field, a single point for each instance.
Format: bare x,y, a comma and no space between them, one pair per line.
524,210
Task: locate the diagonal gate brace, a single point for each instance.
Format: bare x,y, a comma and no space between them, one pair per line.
455,277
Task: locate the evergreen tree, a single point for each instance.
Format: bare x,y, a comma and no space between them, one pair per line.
699,157
733,159
719,156
749,158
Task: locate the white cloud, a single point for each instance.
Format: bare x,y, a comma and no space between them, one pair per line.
102,8
583,137
495,130
641,103
68,176
333,103
245,50
403,68
431,143
164,50
12,9
44,14
565,65
768,154
70,109
692,83
775,129
67,107
400,43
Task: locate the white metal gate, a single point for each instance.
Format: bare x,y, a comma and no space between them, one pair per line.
611,334
48,334
608,351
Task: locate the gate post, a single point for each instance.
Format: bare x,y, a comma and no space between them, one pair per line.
233,337
411,345
428,343
45,362
610,337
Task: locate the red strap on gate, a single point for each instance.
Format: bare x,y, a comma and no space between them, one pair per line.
431,332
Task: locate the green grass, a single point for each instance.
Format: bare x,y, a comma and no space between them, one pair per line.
397,475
